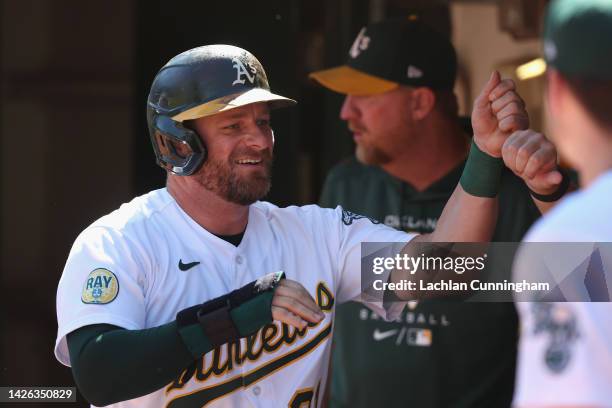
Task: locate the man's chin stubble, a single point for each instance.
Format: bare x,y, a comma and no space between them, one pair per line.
228,185
371,156
247,192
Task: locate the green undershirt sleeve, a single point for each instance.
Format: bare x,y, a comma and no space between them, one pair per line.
112,364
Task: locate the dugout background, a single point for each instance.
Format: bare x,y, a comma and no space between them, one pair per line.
74,76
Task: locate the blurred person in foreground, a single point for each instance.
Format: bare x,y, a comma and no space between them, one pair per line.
565,352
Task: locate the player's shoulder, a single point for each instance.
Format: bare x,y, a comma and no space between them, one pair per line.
137,211
311,216
583,215
303,212
303,218
129,222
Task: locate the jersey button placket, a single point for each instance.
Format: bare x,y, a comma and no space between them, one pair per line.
239,266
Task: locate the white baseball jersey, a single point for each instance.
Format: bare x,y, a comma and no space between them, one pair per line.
565,349
138,266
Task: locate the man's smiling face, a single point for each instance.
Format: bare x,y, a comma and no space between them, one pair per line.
240,144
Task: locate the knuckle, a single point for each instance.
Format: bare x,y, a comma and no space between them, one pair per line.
536,161
526,133
512,148
521,110
523,152
506,147
518,135
509,121
512,109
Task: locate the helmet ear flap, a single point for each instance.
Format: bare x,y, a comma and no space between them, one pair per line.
178,149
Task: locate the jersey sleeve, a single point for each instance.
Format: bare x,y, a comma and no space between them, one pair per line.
565,355
355,229
103,282
565,348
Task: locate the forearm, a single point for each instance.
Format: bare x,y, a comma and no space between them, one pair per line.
471,212
465,218
468,216
111,364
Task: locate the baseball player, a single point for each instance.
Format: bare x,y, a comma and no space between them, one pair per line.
565,349
198,294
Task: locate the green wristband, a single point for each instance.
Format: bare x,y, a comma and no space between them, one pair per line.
253,314
482,173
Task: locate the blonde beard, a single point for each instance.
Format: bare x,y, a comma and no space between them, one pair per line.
371,155
221,179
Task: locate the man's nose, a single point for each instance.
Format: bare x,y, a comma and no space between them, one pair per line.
259,138
349,110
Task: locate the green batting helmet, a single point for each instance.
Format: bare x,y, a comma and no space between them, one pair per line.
196,83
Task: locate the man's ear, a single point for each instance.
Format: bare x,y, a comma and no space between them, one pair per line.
556,92
423,102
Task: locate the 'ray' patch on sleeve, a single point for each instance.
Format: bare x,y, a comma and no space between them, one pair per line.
101,287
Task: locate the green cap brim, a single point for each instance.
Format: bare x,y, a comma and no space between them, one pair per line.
349,81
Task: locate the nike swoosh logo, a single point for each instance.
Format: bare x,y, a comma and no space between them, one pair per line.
378,335
187,266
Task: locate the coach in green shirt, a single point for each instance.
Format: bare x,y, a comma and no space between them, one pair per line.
410,152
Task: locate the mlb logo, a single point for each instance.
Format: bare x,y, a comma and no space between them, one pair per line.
414,72
419,337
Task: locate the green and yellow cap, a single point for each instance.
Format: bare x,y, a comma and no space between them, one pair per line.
403,51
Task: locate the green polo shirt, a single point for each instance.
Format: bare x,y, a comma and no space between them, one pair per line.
440,353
